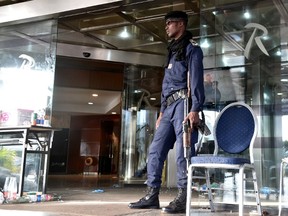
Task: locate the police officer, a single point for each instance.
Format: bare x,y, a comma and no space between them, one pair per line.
184,57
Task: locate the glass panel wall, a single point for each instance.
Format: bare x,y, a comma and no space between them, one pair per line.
27,62
245,59
141,102
245,47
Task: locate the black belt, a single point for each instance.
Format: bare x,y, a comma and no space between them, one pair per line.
175,96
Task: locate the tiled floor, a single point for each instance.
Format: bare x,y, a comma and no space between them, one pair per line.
92,195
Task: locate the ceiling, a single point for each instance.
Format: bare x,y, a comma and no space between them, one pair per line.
77,79
130,28
132,31
79,101
138,27
9,2
134,26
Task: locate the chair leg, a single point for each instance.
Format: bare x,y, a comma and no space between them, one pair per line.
281,188
235,186
258,202
207,174
189,190
241,190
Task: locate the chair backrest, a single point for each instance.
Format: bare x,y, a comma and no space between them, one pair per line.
235,129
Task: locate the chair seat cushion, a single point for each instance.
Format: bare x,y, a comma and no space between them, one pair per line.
219,160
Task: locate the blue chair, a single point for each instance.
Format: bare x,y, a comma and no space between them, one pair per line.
284,162
234,133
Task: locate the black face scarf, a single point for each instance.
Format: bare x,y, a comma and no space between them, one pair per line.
179,46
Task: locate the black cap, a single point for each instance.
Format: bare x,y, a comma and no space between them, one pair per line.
177,15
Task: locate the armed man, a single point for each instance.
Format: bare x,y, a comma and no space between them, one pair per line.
183,82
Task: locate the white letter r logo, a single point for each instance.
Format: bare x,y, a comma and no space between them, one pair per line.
257,39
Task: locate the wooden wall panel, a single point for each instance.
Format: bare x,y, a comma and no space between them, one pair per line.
75,162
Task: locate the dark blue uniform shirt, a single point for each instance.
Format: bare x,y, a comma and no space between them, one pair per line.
175,77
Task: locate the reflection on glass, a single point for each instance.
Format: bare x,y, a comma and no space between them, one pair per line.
26,74
139,115
27,62
33,176
10,157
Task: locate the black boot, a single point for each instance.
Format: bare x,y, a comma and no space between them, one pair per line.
149,201
178,205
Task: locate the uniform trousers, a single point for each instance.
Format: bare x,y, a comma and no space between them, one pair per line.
168,135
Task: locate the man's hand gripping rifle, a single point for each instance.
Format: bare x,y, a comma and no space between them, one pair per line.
187,130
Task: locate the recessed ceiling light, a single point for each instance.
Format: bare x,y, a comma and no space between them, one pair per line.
90,103
278,53
124,33
247,15
205,43
95,95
